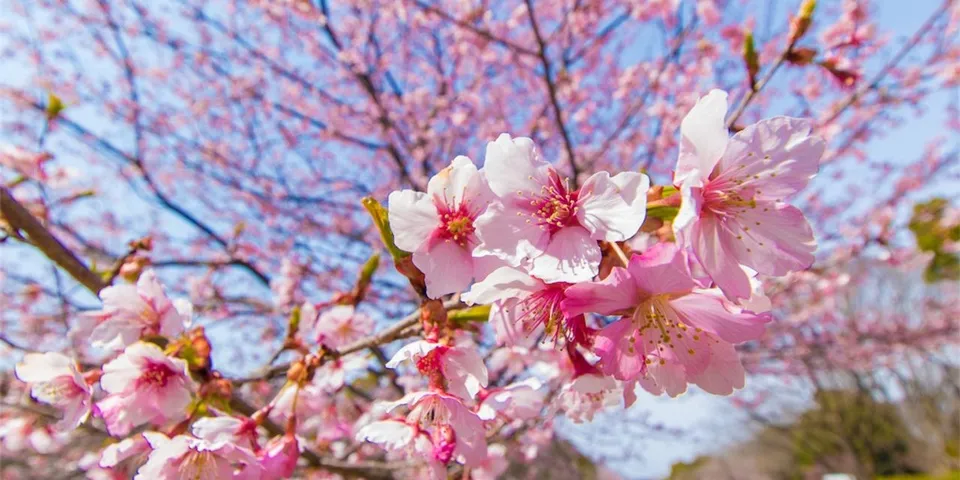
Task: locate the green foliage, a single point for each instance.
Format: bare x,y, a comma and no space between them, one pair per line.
682,470
851,423
934,235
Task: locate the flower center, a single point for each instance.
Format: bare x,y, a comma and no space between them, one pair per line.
428,412
457,224
660,329
156,375
543,308
555,206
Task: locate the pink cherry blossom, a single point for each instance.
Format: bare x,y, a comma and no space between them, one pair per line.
116,453
525,305
438,226
522,400
542,221
586,395
132,312
341,325
143,386
461,367
278,459
184,456
669,329
495,464
55,380
434,410
733,192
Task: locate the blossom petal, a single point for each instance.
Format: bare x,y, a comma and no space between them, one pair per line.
703,139
612,209
776,157
508,236
44,367
772,239
501,284
413,217
661,269
390,434
513,165
411,352
571,256
446,266
709,313
621,355
713,247
614,293
725,373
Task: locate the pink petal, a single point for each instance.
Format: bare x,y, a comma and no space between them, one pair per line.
412,217
661,269
506,235
776,156
501,284
621,355
725,372
464,366
714,248
446,266
773,239
44,367
513,165
571,256
710,314
614,293
612,209
411,352
703,138
390,434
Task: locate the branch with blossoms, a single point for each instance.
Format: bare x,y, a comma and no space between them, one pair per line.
525,286
514,236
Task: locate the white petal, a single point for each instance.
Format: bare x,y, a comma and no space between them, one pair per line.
571,256
413,217
704,137
512,165
501,284
411,352
447,267
613,209
43,367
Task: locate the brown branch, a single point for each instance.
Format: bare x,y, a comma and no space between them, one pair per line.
21,219
486,34
552,91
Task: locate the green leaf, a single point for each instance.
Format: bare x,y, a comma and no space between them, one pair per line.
54,106
664,213
381,220
479,313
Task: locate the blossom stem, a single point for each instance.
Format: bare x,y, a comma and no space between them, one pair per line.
619,251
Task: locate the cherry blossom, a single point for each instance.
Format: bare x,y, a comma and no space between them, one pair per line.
462,368
143,386
669,329
438,226
341,325
526,305
462,427
184,456
132,312
542,221
55,380
733,211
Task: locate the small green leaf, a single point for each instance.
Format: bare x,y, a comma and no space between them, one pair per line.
54,106
381,220
479,313
664,213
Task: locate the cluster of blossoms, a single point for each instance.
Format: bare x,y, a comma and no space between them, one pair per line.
519,237
584,302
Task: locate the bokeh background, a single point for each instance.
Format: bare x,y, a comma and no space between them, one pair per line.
240,136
